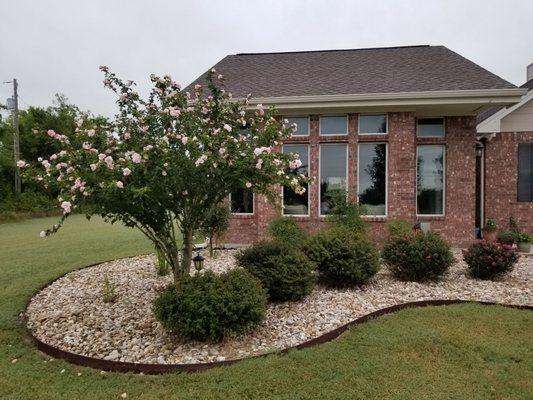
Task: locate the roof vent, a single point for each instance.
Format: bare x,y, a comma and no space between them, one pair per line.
529,72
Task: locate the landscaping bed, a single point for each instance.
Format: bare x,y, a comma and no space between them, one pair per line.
70,313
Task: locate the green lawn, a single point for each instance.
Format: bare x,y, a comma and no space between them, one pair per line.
453,352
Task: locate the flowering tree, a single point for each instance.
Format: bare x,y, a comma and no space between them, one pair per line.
166,160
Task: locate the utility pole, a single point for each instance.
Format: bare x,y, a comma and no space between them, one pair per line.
16,140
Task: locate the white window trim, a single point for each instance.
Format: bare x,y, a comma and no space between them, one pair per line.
308,124
332,134
320,173
386,178
443,127
443,182
308,185
371,134
235,213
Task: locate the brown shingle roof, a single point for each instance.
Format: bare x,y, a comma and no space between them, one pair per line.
378,70
528,85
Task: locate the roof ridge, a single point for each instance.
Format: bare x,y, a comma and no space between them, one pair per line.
333,50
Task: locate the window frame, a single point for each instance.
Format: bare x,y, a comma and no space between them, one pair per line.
320,215
246,214
372,133
308,124
444,170
386,178
518,180
308,185
438,137
332,134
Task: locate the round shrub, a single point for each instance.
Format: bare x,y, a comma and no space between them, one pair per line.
284,271
488,260
342,257
419,257
286,230
209,307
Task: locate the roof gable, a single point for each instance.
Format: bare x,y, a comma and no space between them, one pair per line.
360,71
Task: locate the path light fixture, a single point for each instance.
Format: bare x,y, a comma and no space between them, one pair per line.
198,262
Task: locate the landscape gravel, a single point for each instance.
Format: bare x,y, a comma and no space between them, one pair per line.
70,313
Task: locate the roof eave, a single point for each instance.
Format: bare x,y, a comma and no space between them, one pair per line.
485,97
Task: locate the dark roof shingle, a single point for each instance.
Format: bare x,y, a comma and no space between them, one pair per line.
330,72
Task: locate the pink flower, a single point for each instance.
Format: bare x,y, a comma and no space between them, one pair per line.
109,162
227,127
248,185
126,171
173,111
93,167
164,173
90,132
200,160
127,135
66,206
184,139
221,151
136,158
21,164
120,185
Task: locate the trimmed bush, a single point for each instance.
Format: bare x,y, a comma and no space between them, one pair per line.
286,230
284,271
209,307
506,237
489,260
419,257
400,228
343,258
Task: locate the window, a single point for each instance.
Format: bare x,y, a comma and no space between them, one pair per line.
430,165
372,178
334,125
242,202
372,124
333,167
294,203
525,172
302,125
430,127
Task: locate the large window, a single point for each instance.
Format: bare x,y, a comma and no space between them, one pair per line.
302,125
242,201
294,203
372,178
372,124
430,166
430,127
525,172
334,125
332,174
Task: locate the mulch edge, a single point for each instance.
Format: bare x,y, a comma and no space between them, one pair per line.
151,369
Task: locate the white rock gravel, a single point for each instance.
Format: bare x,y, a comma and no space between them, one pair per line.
71,315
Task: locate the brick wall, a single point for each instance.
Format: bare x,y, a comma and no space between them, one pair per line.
457,226
501,181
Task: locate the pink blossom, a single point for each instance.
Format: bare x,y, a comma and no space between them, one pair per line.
40,159
259,163
174,111
42,234
221,151
90,132
200,160
164,173
86,146
184,139
216,131
227,127
101,156
109,162
66,206
260,109
120,185
248,185
21,164
126,171
127,135
93,167
136,158
53,157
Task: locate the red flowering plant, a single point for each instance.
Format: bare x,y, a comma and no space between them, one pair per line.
165,161
487,260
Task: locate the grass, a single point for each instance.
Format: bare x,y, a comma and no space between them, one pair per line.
453,352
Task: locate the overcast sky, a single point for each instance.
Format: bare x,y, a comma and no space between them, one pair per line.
56,46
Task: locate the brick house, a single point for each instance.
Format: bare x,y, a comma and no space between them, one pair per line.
506,135
395,127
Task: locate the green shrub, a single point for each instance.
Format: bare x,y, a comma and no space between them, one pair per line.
342,258
345,213
418,257
209,307
506,237
399,228
286,230
489,260
28,202
523,237
284,271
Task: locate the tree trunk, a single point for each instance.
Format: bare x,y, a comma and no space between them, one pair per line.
211,245
186,257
